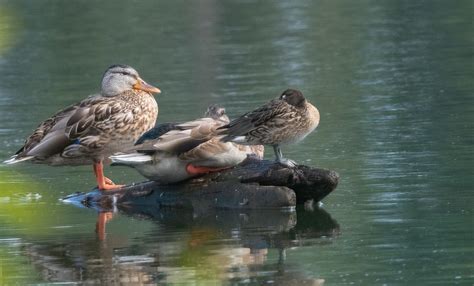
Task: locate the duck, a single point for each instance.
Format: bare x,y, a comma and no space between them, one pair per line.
175,152
91,130
285,120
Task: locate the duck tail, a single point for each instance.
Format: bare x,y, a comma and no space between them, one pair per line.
131,159
14,159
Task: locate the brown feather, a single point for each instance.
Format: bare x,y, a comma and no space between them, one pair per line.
88,127
273,123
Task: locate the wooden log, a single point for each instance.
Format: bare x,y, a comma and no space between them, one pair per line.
253,184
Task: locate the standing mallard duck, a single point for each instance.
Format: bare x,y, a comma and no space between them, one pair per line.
95,128
174,152
288,119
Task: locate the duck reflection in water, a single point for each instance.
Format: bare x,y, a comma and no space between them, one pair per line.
210,246
103,218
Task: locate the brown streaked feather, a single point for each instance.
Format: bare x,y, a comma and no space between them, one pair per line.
53,143
257,122
44,128
169,149
193,133
287,119
94,121
78,114
96,127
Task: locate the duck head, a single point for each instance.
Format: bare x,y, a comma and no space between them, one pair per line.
121,78
216,112
293,97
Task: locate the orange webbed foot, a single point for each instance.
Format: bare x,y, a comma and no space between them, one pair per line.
108,181
108,187
108,184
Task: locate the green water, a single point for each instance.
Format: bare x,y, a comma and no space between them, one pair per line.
393,81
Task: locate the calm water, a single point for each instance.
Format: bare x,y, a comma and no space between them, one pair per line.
393,82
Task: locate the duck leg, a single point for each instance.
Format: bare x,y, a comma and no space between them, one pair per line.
102,220
278,153
199,170
103,182
280,159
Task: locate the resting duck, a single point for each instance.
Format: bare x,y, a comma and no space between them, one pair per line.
172,152
287,119
95,128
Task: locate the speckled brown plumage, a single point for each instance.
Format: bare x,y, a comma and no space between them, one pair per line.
92,129
167,156
287,119
96,127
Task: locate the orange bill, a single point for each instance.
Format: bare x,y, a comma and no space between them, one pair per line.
142,85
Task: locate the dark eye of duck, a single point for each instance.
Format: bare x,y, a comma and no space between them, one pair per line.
293,97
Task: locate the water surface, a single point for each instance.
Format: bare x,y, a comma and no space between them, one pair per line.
393,83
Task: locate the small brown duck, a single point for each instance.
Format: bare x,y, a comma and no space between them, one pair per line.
95,128
173,152
287,119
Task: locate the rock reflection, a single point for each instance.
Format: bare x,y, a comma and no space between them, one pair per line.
188,246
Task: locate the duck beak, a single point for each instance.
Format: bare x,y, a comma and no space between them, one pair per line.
142,85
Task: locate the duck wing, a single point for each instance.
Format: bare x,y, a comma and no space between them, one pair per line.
80,125
183,137
49,137
268,115
157,131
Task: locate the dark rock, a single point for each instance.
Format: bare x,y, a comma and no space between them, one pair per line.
254,184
